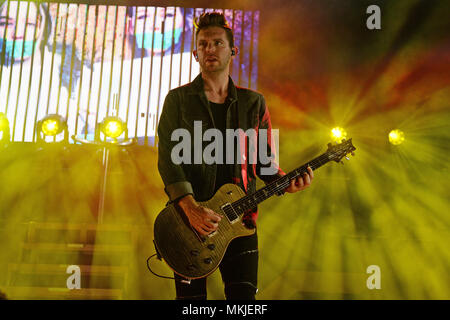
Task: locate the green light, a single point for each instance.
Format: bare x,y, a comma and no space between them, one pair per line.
396,137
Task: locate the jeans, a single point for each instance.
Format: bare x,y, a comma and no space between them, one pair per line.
239,270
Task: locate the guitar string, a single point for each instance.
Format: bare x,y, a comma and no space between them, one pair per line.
273,188
259,197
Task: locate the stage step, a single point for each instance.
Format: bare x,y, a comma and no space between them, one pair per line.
79,233
45,275
57,293
79,247
101,252
62,268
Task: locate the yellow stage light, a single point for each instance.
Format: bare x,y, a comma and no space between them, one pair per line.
338,134
112,127
396,137
51,126
4,128
4,123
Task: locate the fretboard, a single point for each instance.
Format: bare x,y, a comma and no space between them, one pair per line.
277,186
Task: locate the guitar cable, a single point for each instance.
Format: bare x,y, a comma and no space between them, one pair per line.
184,281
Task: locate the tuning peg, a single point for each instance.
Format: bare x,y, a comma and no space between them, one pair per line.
347,158
353,154
342,162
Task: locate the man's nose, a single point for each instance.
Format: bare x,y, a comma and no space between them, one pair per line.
210,47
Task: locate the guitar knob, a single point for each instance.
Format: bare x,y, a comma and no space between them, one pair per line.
207,260
211,246
195,253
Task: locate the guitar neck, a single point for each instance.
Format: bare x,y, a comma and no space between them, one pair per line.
276,187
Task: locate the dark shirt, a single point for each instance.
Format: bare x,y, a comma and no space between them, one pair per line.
219,113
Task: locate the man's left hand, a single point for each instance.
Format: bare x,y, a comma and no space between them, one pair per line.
301,183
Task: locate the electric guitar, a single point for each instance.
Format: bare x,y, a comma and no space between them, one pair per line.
192,255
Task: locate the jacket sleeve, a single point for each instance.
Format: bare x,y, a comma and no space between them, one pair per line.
173,176
267,170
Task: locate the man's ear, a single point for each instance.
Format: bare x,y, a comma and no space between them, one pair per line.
195,55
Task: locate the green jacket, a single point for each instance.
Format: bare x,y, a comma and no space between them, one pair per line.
186,104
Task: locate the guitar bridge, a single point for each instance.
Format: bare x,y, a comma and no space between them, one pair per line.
212,234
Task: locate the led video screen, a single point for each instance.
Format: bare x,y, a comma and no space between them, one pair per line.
85,62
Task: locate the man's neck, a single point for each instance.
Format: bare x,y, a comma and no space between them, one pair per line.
216,86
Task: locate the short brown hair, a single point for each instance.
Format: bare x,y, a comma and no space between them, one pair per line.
214,19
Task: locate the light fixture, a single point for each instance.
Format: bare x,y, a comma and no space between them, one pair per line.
52,126
111,127
338,134
396,137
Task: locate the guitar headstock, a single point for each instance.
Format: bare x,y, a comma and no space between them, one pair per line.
340,150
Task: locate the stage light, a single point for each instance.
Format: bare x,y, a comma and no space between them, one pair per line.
4,128
396,137
338,134
112,127
51,126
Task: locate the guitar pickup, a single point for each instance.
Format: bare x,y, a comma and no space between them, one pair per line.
230,213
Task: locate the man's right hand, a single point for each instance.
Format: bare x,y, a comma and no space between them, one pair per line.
203,220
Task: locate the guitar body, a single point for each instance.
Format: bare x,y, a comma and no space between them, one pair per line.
188,253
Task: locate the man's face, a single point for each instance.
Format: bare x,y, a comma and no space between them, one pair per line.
25,27
213,50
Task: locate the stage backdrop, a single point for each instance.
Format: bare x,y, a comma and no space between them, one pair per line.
85,62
